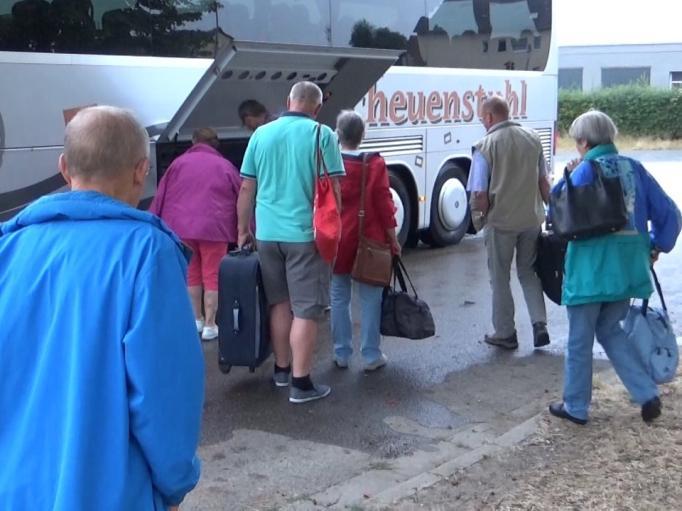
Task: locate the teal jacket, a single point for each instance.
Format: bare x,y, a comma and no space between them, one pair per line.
616,266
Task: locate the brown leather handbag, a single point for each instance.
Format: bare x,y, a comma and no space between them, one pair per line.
373,261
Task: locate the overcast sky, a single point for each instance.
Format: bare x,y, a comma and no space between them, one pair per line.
580,22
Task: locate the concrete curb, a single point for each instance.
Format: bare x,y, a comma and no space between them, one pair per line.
381,488
427,479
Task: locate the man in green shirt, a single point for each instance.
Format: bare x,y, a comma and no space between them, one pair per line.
279,170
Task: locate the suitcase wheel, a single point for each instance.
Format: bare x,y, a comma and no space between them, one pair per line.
252,369
224,368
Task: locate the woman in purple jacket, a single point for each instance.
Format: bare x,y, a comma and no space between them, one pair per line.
197,198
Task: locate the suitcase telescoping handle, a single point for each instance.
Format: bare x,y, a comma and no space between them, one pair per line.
244,251
235,317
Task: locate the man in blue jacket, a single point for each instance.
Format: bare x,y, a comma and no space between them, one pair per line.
101,370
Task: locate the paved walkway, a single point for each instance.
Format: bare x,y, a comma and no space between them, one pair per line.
496,403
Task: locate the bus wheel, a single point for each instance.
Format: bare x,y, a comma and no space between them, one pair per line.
450,215
401,199
426,238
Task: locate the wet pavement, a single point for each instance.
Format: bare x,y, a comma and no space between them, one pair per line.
261,452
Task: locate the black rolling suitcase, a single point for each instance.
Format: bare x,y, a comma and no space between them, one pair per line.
244,333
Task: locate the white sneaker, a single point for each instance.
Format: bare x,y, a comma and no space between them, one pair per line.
209,333
377,364
200,325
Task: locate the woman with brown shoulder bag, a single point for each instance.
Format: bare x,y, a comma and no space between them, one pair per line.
368,243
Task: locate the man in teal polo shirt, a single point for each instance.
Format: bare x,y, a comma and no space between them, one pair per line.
279,169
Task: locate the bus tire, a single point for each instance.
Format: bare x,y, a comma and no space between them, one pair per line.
426,238
403,204
450,214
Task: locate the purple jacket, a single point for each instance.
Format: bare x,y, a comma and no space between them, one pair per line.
197,196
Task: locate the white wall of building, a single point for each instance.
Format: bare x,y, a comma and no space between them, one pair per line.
662,59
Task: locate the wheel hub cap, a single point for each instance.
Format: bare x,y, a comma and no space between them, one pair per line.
400,210
452,204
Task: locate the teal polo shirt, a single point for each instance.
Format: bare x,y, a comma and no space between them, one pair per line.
281,158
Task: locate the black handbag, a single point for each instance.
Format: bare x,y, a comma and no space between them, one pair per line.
588,211
549,264
404,314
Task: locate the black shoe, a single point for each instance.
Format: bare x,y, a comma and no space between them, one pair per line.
558,410
651,409
508,343
540,334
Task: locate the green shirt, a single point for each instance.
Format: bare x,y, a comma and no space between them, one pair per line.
281,158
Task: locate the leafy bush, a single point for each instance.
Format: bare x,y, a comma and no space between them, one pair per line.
638,111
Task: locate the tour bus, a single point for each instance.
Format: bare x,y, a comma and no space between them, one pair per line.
417,71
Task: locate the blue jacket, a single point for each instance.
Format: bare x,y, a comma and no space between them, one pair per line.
616,267
101,371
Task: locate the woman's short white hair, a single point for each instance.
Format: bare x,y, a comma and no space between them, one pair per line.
593,127
350,128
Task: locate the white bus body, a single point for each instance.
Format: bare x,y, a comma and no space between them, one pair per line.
422,115
428,142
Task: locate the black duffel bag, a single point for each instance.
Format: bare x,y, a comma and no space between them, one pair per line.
404,314
549,264
587,211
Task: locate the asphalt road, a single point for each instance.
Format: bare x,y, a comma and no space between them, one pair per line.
245,409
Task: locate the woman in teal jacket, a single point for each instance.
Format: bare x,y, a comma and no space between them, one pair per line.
602,274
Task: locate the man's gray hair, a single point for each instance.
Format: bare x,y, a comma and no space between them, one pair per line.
350,128
103,141
593,127
306,92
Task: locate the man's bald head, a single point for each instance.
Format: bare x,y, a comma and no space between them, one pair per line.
494,110
496,106
104,142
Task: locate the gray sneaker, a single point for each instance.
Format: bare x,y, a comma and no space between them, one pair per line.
281,379
297,395
508,343
341,363
377,364
540,335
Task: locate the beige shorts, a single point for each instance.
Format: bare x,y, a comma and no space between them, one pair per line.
295,272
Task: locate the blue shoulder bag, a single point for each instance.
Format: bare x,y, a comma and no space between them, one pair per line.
649,331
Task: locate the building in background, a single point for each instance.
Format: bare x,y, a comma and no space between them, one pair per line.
592,67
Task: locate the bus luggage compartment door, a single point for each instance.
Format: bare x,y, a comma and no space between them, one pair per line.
266,72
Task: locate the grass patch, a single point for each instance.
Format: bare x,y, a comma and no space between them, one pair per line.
616,462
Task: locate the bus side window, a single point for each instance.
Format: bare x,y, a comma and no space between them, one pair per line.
111,27
483,34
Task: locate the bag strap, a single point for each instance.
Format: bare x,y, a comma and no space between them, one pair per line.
645,303
319,157
400,273
398,276
596,170
363,187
